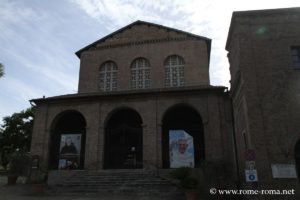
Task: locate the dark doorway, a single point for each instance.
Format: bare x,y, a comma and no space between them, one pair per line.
182,117
68,127
297,158
124,140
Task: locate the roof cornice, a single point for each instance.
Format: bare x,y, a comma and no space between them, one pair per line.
139,22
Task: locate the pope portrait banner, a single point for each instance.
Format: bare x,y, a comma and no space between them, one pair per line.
181,149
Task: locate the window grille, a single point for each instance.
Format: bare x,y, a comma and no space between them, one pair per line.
108,76
140,74
174,71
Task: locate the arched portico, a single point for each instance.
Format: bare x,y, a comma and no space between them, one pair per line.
67,143
123,140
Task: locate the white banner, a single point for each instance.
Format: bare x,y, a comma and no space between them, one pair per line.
181,149
284,171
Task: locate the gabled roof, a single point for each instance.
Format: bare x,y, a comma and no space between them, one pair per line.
208,41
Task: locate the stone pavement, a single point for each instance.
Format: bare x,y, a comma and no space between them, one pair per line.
23,191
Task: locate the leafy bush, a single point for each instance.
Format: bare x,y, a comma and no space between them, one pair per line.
19,163
185,178
180,173
189,183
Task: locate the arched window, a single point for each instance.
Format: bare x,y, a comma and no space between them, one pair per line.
174,71
108,76
140,74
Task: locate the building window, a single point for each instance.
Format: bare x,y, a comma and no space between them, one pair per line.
140,74
108,76
296,57
174,71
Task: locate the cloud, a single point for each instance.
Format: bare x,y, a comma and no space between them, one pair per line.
42,51
15,95
11,11
116,13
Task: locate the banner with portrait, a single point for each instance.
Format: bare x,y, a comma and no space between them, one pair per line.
69,151
181,149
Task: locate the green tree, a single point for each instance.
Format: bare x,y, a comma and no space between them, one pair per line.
1,70
15,133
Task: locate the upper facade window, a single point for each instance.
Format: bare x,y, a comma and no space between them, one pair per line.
174,71
108,76
296,56
140,74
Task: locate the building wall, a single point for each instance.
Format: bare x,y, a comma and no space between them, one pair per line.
153,44
265,86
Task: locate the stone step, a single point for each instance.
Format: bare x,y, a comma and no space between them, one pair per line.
75,187
136,181
99,180
148,195
115,171
109,175
115,182
115,190
116,185
112,177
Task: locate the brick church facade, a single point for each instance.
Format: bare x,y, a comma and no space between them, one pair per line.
145,80
143,74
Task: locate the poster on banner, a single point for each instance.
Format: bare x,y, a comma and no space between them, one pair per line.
181,149
69,151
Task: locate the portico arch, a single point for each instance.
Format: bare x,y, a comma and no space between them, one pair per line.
67,143
123,140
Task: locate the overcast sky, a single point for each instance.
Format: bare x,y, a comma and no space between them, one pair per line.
38,38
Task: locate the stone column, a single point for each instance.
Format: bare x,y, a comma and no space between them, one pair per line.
159,145
207,142
46,148
149,147
91,148
39,143
101,143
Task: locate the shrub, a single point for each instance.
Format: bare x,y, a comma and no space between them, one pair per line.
185,178
19,163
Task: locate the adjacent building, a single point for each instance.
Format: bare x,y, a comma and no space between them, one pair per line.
264,57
